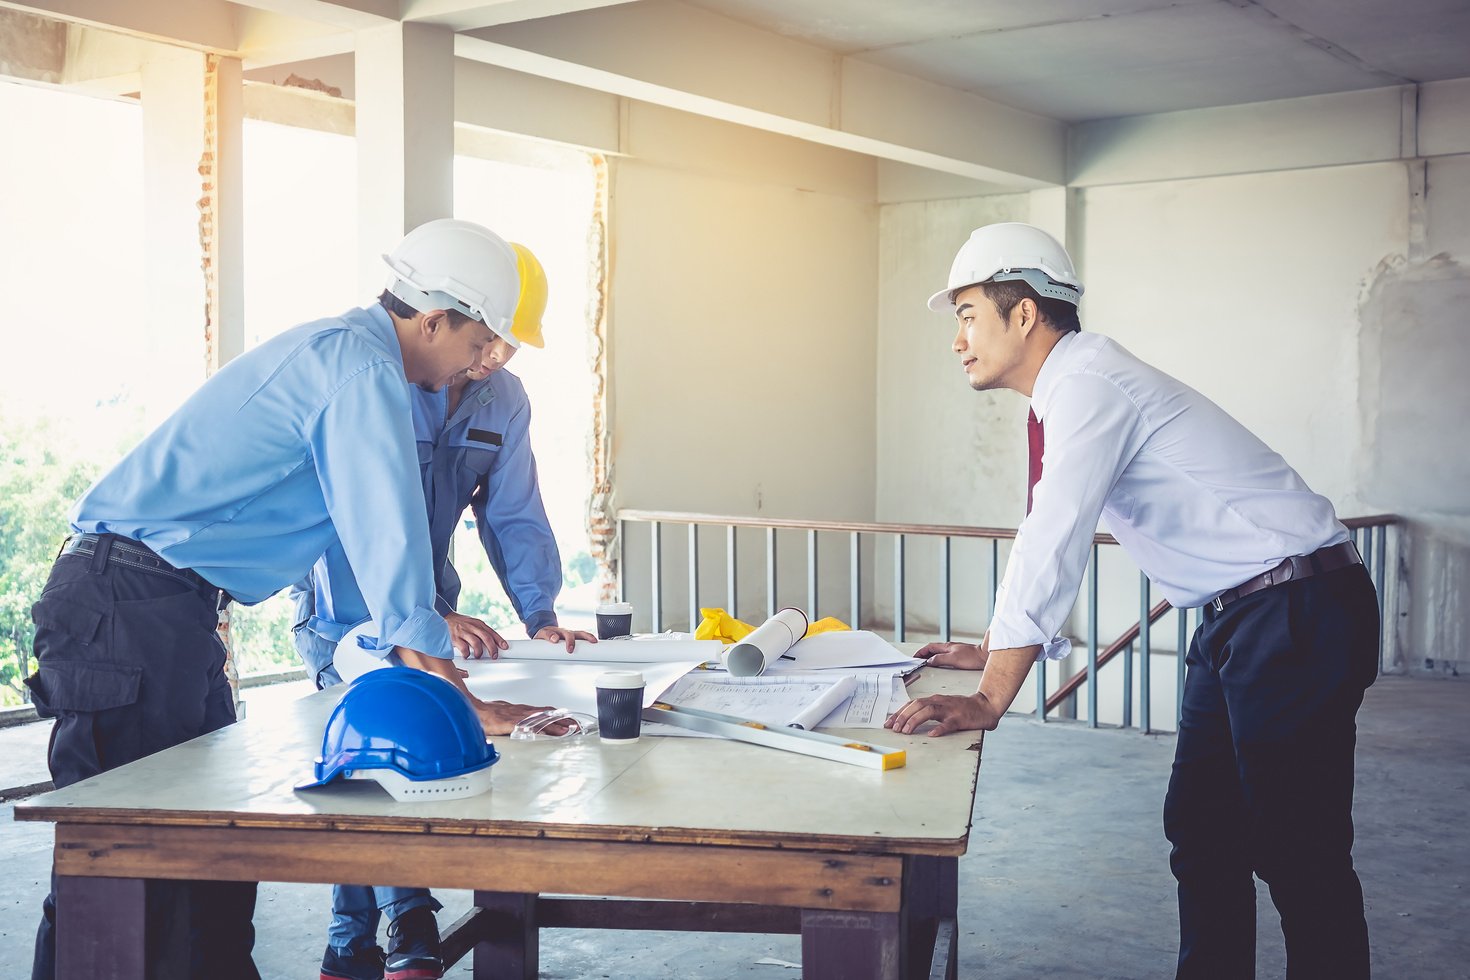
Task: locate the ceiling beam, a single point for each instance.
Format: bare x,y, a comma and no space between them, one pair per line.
469,15
682,57
201,24
351,15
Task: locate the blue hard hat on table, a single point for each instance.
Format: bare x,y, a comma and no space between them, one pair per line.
409,730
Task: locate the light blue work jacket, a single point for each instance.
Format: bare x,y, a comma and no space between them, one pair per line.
480,457
296,447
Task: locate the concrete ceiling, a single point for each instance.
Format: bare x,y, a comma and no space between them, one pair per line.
1075,60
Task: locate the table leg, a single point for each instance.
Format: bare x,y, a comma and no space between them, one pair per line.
838,945
931,891
511,948
101,924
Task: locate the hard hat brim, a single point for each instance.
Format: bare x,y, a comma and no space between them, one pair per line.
940,303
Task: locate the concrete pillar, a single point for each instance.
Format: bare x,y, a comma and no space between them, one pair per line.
173,144
405,138
227,245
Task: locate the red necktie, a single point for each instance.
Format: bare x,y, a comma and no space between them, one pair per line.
1035,438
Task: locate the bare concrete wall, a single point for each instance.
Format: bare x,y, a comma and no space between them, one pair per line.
1415,340
741,337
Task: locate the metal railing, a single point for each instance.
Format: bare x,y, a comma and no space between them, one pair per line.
1370,534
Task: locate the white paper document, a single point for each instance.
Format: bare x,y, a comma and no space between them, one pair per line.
569,686
800,702
616,651
845,648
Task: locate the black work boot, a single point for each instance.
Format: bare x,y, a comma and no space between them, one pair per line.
413,947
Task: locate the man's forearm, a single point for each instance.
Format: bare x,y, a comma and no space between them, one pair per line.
435,665
1005,672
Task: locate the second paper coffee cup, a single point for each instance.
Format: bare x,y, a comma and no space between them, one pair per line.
619,705
614,619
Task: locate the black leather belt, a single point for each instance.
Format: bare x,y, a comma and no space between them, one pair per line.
1328,559
126,551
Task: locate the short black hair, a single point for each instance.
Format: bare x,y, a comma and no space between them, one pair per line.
1058,314
403,311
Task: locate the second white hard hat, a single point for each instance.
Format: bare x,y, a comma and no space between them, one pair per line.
1007,251
448,264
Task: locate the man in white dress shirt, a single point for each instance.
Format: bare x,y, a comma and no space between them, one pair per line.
1263,770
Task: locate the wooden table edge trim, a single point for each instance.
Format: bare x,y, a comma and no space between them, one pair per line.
765,876
460,827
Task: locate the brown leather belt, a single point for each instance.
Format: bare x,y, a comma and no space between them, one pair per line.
1328,559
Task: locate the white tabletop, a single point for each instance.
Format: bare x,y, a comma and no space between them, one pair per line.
668,789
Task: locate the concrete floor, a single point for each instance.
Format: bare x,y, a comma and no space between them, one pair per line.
1067,875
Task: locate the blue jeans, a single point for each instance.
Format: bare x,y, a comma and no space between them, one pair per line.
356,909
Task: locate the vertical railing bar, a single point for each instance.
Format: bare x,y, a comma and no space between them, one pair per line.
1381,561
811,574
770,571
1041,689
994,576
1128,686
1092,640
855,563
1182,646
1145,656
656,539
944,591
1367,550
622,559
693,576
898,588
731,579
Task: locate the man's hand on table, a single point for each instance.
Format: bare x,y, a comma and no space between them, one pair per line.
1005,672
953,712
474,638
496,717
961,656
560,634
499,717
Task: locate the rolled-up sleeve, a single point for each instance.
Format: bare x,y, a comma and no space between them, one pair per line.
362,445
1092,430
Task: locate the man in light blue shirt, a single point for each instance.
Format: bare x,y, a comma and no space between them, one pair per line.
473,450
299,445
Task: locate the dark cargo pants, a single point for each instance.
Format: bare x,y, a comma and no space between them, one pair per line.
129,663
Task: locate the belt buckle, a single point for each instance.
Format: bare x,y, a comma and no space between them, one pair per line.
1218,603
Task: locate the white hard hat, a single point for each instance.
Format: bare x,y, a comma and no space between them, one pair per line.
447,264
1007,251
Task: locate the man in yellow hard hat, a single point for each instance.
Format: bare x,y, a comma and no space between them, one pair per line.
474,451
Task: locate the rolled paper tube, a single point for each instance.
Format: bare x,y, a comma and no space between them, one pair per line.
766,643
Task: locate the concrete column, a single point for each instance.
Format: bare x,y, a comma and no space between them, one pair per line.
227,252
173,144
405,138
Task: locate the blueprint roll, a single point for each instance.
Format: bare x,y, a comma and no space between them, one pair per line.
766,643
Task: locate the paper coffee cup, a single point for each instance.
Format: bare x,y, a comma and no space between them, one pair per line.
619,705
614,619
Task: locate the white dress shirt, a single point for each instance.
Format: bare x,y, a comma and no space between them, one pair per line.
1197,501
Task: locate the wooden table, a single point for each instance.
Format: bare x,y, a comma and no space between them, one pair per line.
693,834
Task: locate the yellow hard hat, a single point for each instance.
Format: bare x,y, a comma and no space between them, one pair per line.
526,326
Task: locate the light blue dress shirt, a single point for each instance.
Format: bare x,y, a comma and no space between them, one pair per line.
298,446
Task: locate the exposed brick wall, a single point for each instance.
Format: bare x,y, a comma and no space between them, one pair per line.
602,522
209,251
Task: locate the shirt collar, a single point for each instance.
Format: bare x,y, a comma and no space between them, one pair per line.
1051,370
380,328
